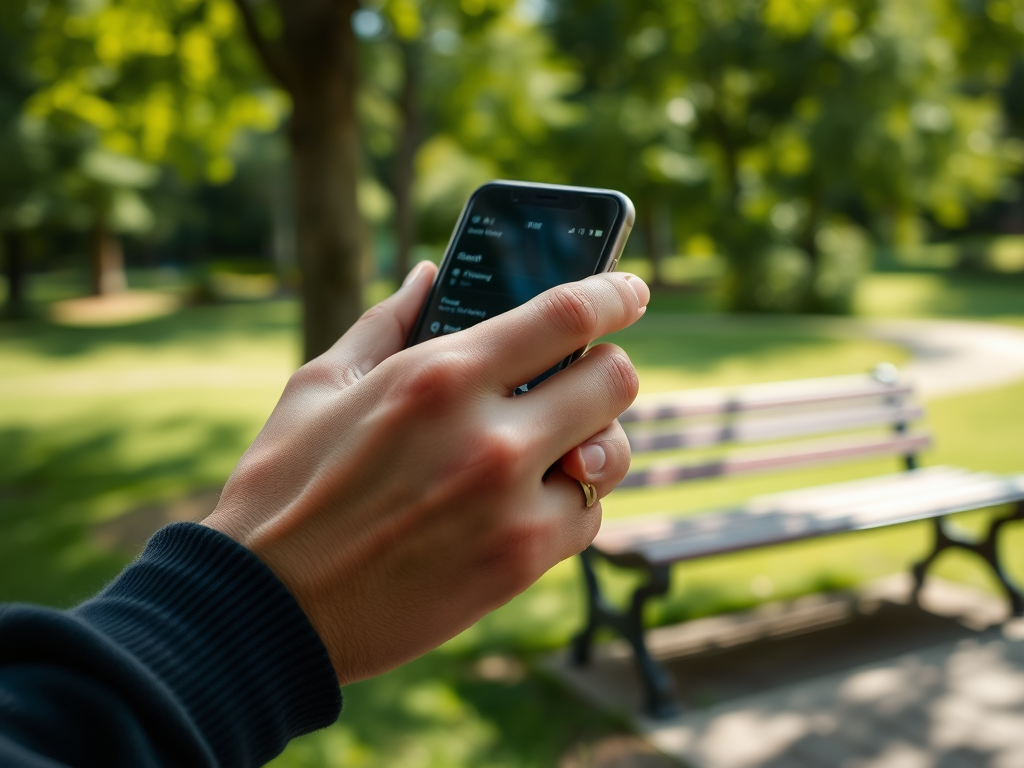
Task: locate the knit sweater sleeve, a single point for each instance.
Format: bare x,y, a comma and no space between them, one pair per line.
196,655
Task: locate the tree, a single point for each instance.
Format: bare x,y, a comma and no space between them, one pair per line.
147,83
33,157
811,118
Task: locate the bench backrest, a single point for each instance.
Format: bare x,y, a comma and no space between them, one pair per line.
784,413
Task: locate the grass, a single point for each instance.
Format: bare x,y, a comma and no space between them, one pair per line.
95,422
946,294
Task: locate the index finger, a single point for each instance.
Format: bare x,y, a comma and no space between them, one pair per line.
526,341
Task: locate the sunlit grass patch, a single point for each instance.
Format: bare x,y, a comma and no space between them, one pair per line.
930,294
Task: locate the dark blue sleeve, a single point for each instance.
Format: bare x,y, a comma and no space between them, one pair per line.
196,655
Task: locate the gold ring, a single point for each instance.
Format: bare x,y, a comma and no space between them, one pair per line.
590,492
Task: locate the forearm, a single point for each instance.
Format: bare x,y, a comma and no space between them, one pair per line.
195,655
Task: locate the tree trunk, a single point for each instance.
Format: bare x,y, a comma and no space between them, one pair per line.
809,237
405,158
15,253
320,51
107,258
730,156
812,300
652,239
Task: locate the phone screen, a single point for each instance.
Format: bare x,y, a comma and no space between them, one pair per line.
514,243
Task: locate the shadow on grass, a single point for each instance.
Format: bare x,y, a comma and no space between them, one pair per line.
51,487
442,710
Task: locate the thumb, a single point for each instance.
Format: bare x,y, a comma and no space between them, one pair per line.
384,328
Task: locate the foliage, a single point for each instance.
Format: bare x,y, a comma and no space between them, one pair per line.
103,95
489,92
797,124
33,156
164,82
786,135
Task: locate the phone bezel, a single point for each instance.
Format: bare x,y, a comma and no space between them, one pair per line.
624,218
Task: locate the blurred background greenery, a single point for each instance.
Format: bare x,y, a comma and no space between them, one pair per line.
195,195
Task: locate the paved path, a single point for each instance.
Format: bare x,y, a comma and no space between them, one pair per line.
865,681
952,356
953,705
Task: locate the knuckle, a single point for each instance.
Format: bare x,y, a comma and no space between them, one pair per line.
376,311
622,377
619,457
317,373
574,311
627,296
324,373
430,381
498,454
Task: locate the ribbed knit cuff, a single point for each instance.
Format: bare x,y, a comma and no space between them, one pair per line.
219,629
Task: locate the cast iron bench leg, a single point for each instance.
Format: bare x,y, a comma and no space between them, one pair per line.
598,612
987,548
656,679
657,682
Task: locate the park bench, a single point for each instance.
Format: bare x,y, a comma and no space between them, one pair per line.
860,416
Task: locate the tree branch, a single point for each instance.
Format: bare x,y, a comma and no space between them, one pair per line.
269,55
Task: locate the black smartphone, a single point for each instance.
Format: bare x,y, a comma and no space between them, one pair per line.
515,240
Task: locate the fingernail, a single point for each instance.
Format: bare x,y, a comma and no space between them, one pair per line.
414,274
593,456
643,293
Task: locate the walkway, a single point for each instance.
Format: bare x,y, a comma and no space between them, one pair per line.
951,356
863,681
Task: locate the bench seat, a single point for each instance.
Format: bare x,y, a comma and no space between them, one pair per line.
919,494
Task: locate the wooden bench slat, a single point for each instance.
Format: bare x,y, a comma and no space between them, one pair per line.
622,535
983,491
873,490
762,428
902,498
838,513
832,499
617,536
805,453
759,397
658,554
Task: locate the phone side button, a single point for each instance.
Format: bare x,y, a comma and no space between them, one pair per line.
615,263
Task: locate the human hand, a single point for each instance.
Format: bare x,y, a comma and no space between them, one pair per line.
402,494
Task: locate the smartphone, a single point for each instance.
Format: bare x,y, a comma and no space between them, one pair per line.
515,240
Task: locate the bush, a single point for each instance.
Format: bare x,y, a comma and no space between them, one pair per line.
784,278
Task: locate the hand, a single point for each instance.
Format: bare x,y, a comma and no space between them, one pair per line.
402,494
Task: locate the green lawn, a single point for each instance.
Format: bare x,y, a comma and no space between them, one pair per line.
97,422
